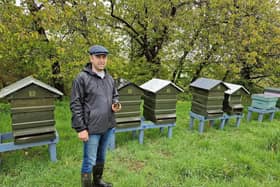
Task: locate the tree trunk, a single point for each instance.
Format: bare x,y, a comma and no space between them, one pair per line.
177,72
245,74
56,79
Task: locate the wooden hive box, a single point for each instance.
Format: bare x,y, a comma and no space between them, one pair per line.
130,99
32,109
208,97
160,97
233,96
263,101
273,92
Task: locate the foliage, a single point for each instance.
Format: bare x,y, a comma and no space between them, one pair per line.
233,40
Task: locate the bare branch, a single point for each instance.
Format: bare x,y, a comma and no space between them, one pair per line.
136,34
259,77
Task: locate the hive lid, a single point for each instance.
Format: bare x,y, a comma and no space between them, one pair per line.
264,96
122,83
207,84
269,89
235,87
26,82
154,85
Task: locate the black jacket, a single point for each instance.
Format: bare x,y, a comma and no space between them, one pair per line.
91,102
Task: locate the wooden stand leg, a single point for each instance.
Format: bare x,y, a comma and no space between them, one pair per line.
260,118
141,136
201,125
169,132
52,152
272,116
238,120
191,122
249,115
223,123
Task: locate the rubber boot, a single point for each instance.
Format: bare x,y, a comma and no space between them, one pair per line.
97,172
86,179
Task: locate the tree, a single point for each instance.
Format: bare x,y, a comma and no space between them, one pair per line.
149,25
249,31
232,40
19,44
56,36
236,41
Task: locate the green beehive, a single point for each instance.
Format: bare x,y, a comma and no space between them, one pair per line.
130,99
160,97
32,109
232,101
263,101
273,92
208,97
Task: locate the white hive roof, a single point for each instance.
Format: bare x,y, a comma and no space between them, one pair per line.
154,85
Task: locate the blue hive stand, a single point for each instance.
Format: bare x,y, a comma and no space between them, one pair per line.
203,119
223,120
261,113
238,118
144,125
10,146
150,125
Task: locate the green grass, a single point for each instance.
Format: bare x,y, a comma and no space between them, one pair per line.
244,156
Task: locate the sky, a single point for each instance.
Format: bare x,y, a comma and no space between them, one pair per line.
17,2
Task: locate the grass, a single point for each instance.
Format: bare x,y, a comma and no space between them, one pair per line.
241,157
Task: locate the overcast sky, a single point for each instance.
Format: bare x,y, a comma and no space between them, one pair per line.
17,2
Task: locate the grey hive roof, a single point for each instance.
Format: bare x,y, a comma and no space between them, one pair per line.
206,84
235,87
26,82
270,89
122,83
155,85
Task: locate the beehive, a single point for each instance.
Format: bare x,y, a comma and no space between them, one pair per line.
130,99
208,97
160,97
233,98
263,101
32,109
273,92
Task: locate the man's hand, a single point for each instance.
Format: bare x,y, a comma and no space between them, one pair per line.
116,107
83,135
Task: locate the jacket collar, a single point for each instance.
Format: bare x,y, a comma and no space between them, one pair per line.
88,69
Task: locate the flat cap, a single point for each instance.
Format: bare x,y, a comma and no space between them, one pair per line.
98,50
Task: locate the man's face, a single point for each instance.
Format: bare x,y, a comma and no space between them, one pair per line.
98,62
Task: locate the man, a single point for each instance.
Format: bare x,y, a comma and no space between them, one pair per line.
94,99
